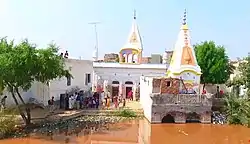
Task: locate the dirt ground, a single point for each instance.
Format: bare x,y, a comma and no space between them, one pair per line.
38,113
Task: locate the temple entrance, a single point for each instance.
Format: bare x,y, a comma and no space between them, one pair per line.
168,119
115,89
193,118
129,87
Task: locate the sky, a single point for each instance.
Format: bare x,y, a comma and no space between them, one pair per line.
66,23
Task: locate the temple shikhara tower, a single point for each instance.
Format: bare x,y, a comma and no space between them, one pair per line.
131,52
183,64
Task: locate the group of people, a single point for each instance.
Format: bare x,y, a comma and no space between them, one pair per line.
97,100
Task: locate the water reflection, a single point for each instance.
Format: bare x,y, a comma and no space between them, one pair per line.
137,132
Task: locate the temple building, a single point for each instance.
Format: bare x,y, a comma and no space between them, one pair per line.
121,77
176,98
183,63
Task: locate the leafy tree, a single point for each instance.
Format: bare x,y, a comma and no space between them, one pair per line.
243,77
214,63
22,64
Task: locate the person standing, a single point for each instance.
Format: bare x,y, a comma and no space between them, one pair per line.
124,103
71,102
116,101
51,104
102,98
3,103
108,102
77,101
130,95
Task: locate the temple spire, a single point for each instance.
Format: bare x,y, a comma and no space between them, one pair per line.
184,25
131,52
183,63
184,19
134,14
134,38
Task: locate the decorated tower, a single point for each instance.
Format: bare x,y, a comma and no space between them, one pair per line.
131,52
183,63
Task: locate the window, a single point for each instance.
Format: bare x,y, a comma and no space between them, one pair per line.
168,83
87,79
129,82
115,82
68,80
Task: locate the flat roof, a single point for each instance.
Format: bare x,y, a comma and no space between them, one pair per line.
125,65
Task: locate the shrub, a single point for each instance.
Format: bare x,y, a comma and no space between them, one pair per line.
126,113
8,122
237,109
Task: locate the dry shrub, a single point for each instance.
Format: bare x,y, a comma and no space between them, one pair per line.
8,122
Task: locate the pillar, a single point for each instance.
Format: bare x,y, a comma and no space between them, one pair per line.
120,57
123,90
120,88
105,86
134,91
205,117
180,117
94,82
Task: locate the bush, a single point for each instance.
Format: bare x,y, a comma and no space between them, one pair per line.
126,113
237,110
8,122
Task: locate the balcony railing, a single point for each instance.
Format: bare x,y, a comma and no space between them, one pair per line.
187,99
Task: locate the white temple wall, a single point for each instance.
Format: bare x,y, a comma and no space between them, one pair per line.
79,70
127,74
38,91
146,89
42,93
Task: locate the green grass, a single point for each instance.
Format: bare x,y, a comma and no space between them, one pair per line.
126,113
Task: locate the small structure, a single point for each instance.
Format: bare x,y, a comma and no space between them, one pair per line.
162,102
176,98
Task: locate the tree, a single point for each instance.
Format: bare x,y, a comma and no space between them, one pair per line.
23,64
243,77
214,63
237,110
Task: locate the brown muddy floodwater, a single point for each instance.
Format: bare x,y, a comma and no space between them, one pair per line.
141,132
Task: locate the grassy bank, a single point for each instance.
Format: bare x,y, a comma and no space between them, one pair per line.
8,127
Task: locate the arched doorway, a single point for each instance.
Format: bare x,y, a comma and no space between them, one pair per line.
129,87
168,119
193,117
115,88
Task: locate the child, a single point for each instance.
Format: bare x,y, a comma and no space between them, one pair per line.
124,102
